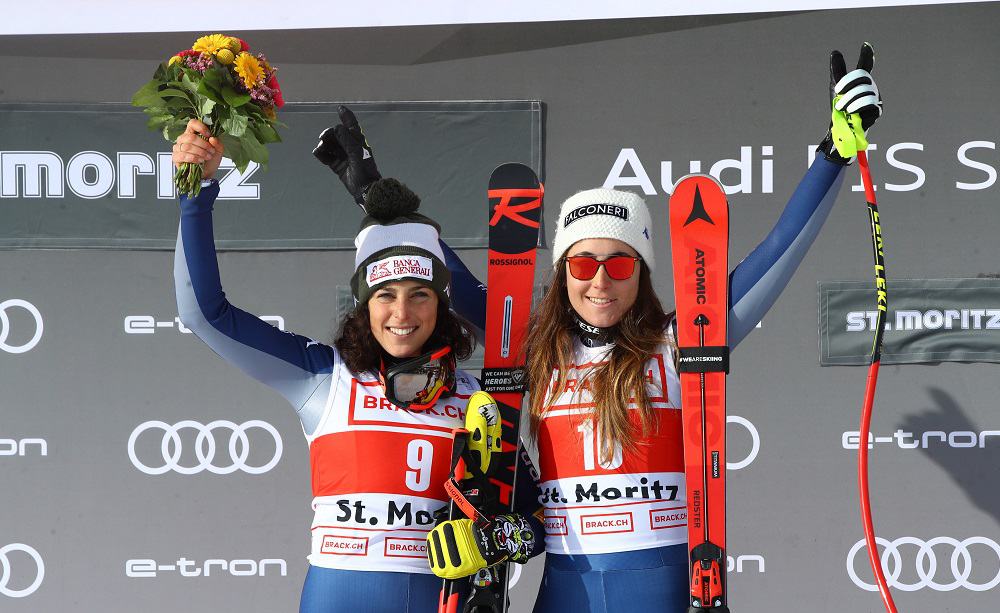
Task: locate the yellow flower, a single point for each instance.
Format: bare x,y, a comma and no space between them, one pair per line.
225,57
249,69
174,60
234,45
211,43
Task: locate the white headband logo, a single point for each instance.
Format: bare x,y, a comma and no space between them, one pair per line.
578,213
399,267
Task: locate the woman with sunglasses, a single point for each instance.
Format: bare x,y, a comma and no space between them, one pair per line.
605,395
377,406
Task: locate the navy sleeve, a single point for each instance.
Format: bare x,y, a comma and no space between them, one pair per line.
468,294
296,366
756,283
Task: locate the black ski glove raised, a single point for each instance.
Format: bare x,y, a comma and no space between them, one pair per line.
346,151
858,93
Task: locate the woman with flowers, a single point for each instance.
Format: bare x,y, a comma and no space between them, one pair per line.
378,405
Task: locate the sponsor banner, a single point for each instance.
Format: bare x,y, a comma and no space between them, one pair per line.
555,524
156,447
146,568
611,490
373,531
929,320
396,547
503,380
669,517
605,513
92,175
149,324
606,523
752,170
940,564
70,17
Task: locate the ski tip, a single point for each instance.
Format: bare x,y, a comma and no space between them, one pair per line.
697,178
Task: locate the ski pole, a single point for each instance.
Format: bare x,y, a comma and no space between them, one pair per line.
866,411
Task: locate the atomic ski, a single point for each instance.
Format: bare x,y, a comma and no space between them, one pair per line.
514,214
699,237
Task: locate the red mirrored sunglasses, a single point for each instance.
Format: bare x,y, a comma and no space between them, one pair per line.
618,267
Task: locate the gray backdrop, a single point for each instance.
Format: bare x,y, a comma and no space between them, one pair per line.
672,90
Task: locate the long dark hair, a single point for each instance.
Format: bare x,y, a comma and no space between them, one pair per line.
622,377
362,353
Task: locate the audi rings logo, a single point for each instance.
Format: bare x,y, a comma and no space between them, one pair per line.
7,569
926,563
754,442
5,326
171,447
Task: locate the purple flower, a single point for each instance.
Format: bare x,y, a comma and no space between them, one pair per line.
201,63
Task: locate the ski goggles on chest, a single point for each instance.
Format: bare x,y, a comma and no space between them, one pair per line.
585,267
418,383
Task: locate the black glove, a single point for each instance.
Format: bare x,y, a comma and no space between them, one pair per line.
346,151
858,94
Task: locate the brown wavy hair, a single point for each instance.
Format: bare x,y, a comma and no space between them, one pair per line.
549,346
362,353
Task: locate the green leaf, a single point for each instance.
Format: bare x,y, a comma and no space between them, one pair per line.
253,148
207,104
173,130
204,89
174,93
234,150
265,132
214,78
157,122
253,109
234,98
188,83
236,125
147,95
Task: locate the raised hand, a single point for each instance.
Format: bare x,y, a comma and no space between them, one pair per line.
197,146
346,151
853,95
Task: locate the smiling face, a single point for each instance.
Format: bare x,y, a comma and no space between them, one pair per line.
402,317
601,301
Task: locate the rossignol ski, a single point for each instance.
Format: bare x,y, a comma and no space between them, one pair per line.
514,214
699,237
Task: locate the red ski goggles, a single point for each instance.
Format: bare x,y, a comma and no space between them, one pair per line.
585,267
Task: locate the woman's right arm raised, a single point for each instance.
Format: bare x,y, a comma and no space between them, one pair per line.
293,365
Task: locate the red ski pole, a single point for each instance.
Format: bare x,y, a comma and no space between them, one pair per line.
866,411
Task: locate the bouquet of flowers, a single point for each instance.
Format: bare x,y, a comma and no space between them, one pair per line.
229,89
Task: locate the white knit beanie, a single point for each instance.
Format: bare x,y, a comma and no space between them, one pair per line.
604,213
396,242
